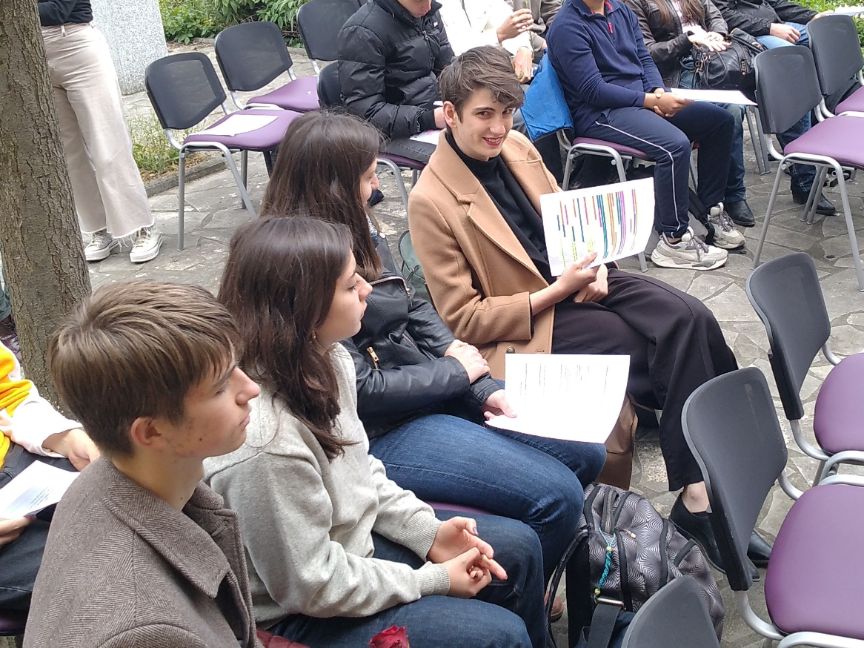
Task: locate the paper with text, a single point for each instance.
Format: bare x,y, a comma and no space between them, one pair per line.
239,124
714,96
615,221
569,397
33,489
428,137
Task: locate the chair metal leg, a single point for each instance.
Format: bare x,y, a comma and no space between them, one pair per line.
813,196
768,214
568,168
238,179
754,139
400,181
763,148
181,198
850,227
244,170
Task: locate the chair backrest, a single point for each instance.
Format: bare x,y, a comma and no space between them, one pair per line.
319,22
786,86
786,295
251,55
836,51
674,616
545,109
183,89
329,92
733,432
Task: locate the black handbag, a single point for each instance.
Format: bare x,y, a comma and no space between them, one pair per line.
731,69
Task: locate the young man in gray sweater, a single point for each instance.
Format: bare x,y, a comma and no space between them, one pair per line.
140,553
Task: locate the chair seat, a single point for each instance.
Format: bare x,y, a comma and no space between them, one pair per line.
838,418
839,137
815,578
12,623
262,139
405,162
300,95
623,150
852,103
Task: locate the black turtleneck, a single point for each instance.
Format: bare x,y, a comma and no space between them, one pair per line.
515,207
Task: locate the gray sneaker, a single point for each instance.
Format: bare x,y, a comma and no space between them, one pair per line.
725,234
690,252
100,246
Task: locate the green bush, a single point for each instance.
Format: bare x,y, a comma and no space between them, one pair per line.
825,5
281,12
151,150
184,20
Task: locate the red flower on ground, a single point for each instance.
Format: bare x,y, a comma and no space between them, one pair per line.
392,637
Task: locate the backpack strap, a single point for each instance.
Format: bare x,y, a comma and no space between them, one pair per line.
602,625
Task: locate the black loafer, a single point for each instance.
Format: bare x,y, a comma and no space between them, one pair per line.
823,205
740,213
697,527
759,550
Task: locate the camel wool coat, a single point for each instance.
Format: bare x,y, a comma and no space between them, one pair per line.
478,273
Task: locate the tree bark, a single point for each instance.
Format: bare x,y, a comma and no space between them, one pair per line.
40,240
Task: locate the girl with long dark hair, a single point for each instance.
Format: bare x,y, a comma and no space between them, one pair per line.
336,551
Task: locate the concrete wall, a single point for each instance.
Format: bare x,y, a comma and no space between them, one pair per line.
134,32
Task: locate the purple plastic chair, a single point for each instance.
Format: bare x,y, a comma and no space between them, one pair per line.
250,56
184,89
833,144
786,295
815,577
838,58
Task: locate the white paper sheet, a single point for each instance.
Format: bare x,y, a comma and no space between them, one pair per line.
237,124
35,488
570,397
714,96
849,11
429,137
615,221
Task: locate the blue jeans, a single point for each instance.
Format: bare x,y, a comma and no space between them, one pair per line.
505,613
443,458
735,190
802,174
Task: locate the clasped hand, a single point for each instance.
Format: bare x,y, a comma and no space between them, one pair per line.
467,558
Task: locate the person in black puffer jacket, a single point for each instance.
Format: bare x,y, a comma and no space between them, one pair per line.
422,394
390,55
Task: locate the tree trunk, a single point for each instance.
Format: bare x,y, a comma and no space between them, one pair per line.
40,240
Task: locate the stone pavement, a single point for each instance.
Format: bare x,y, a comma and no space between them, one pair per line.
213,212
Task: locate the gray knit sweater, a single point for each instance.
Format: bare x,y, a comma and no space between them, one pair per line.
307,522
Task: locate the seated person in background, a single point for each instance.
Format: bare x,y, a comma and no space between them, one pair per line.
615,93
670,37
32,431
475,222
543,12
780,23
337,551
490,22
390,55
421,393
141,553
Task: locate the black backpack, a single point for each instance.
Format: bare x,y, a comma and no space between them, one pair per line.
623,553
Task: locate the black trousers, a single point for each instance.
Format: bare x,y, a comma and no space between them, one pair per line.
20,559
674,342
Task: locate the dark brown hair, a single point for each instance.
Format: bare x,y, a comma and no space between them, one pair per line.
278,284
692,11
321,160
136,349
481,67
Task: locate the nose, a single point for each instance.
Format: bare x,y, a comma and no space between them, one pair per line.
376,183
249,389
499,127
364,290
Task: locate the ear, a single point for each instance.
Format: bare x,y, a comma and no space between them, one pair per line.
450,116
145,433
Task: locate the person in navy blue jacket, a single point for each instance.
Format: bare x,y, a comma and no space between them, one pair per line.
616,93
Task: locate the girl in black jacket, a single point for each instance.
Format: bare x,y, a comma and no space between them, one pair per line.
421,393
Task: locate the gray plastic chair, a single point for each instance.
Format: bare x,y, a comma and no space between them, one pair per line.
787,297
250,56
832,144
319,22
674,616
815,577
838,58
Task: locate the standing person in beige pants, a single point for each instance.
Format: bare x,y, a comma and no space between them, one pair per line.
109,195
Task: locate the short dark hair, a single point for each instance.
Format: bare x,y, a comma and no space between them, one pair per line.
481,67
136,349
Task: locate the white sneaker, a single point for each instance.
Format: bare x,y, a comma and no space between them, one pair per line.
100,246
147,245
725,234
690,252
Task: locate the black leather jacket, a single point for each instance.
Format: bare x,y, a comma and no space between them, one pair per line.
755,16
389,62
399,358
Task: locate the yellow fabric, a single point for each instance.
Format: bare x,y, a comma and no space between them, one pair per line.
13,392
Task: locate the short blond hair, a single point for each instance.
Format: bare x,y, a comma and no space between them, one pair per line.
136,349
